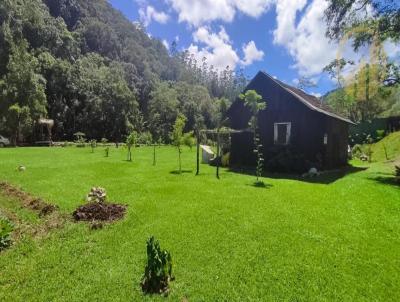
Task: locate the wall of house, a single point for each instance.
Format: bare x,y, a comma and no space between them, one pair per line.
308,128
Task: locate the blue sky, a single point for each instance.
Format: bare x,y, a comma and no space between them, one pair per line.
284,38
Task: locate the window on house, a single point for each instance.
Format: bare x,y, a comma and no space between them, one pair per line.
282,133
325,138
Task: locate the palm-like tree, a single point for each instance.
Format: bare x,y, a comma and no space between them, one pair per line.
254,102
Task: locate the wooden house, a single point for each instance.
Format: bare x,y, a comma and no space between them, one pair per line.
296,129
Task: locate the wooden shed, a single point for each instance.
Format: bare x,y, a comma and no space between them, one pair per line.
296,129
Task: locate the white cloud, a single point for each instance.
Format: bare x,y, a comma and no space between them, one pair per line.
392,49
217,50
305,41
286,11
166,44
199,12
251,53
148,14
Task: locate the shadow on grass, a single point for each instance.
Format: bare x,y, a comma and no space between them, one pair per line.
326,177
177,172
261,184
386,180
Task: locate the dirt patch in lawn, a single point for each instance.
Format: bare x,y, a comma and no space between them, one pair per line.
34,203
50,216
102,211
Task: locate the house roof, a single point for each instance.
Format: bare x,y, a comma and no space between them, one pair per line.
310,101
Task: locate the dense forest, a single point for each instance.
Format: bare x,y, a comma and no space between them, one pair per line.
84,65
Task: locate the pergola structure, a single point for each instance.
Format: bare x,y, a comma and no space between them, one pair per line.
217,133
48,124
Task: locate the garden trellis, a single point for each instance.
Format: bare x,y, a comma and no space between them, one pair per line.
218,138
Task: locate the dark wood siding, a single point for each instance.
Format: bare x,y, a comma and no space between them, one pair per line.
308,128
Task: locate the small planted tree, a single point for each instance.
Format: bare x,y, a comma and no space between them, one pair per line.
93,144
158,270
177,136
254,102
131,142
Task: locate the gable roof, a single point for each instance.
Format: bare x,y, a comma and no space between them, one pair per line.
312,102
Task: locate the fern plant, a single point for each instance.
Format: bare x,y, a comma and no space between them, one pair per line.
6,227
158,271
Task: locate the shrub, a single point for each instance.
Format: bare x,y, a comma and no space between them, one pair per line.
145,138
380,134
158,271
6,227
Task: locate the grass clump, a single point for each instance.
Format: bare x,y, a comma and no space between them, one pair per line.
6,227
158,271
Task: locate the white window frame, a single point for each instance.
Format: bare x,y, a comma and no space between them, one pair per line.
288,132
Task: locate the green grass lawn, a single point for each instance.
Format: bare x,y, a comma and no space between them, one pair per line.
230,241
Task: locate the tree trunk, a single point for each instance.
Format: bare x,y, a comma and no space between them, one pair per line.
180,164
198,154
154,154
218,153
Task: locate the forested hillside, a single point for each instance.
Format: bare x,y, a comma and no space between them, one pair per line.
83,64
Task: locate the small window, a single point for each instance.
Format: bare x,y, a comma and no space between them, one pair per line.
326,139
282,133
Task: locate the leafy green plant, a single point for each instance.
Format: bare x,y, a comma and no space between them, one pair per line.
158,270
6,227
255,103
177,136
131,142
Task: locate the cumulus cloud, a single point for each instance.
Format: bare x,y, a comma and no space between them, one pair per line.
217,48
305,40
251,53
148,14
199,12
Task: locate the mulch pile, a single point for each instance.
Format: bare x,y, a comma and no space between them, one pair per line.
28,201
103,211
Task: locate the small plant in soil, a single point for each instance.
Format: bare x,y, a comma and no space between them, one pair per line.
97,194
158,271
98,209
6,227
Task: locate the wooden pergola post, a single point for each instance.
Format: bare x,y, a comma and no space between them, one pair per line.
198,152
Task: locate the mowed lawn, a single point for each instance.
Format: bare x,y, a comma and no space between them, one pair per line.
230,241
